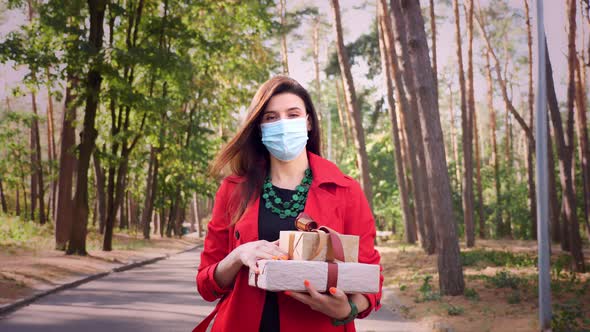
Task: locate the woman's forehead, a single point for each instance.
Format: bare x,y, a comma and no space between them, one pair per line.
285,102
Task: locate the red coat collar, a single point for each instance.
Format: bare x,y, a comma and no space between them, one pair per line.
323,170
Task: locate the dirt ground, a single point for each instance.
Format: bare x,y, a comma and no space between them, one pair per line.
489,307
37,266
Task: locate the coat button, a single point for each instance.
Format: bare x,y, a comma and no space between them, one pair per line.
237,235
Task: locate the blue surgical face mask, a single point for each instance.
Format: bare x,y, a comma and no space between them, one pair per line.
285,139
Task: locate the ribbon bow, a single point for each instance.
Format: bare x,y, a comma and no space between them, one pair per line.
334,250
305,223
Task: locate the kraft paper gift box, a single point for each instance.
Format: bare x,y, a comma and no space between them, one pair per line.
304,245
283,275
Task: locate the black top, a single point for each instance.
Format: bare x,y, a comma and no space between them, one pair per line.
269,227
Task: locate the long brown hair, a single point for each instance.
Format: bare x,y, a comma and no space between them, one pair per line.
245,153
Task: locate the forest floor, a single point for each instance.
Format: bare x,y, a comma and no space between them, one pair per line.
31,264
500,288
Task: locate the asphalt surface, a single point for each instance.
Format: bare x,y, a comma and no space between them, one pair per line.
158,297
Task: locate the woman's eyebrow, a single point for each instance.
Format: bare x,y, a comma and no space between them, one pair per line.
294,108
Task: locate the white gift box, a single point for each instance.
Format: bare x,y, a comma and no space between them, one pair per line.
304,245
283,275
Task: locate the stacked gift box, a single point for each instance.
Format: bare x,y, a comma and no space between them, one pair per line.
320,255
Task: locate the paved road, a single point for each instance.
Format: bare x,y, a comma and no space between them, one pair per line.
158,297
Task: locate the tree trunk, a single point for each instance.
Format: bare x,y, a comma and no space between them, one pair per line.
474,133
341,117
123,209
196,217
433,39
449,260
17,207
34,180
502,81
583,151
3,198
565,162
574,228
37,166
77,244
151,185
481,216
51,151
554,204
497,184
67,164
507,230
385,33
316,67
284,57
454,147
467,127
100,193
351,101
530,151
422,207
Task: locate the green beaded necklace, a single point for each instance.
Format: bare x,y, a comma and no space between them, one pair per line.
292,207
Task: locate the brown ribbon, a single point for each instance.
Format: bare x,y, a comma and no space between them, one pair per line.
304,222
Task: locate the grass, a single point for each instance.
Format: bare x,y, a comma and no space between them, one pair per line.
14,232
501,282
485,258
17,234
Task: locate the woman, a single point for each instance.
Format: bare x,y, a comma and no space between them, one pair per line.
277,173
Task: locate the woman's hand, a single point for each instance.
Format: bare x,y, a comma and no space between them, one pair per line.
334,305
249,253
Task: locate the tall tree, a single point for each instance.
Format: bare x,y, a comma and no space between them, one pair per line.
473,115
433,42
467,137
449,261
530,147
67,161
77,243
583,149
422,206
496,160
386,38
284,55
574,228
352,105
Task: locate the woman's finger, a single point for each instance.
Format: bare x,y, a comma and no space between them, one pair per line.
251,263
270,251
275,247
338,293
311,290
274,251
264,255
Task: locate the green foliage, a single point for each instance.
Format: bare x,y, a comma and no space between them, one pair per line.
16,232
505,279
365,47
471,294
567,316
484,258
453,310
427,292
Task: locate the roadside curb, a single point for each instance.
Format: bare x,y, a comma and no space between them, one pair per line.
11,307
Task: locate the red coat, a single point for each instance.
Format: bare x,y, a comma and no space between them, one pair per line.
334,200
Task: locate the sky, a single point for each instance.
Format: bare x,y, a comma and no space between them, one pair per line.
357,16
